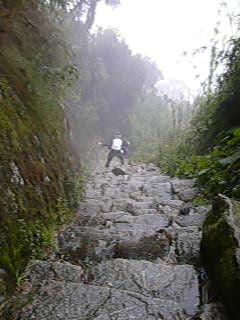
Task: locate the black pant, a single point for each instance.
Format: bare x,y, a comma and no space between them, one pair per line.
112,154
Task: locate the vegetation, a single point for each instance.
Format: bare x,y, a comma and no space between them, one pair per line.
38,189
199,140
209,149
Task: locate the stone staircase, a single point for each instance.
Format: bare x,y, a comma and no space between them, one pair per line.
131,253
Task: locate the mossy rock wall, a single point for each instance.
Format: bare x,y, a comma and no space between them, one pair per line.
37,180
220,251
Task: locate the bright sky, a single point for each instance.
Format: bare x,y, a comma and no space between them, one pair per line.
164,29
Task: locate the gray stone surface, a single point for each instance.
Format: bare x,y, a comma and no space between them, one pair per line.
188,194
83,242
190,220
40,271
173,203
160,190
150,248
131,205
146,211
138,226
91,208
179,185
157,280
61,301
188,242
131,253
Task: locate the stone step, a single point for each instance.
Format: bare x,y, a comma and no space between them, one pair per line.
132,206
137,227
80,243
39,272
76,301
157,280
136,236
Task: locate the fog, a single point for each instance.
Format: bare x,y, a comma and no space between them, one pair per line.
177,35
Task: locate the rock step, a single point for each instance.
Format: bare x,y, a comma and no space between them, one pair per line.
157,280
132,248
76,301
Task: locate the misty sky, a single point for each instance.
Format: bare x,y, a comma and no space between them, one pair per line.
164,29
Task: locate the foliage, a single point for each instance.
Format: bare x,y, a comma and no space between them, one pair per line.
216,171
209,149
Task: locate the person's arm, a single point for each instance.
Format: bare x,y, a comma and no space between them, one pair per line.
108,145
125,142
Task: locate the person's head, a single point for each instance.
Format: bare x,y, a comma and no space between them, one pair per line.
118,135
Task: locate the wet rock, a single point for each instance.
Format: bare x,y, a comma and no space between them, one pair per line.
118,172
179,185
132,206
184,189
61,301
136,227
139,197
157,280
188,194
116,216
188,242
134,186
146,211
173,203
136,195
156,179
160,190
168,211
150,248
79,243
140,233
107,205
194,219
42,271
184,211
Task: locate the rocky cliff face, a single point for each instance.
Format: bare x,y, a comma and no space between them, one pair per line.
35,167
131,253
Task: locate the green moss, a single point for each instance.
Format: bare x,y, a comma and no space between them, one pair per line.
38,185
218,251
199,201
227,271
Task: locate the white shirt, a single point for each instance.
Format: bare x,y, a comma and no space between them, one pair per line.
117,144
